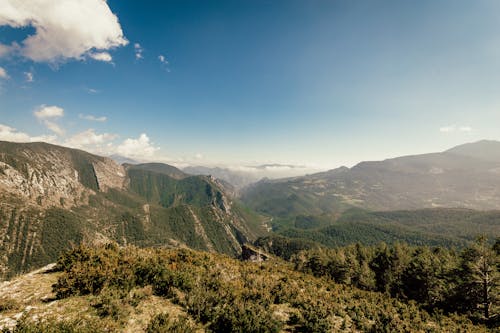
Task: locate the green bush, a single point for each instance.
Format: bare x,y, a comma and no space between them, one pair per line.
163,323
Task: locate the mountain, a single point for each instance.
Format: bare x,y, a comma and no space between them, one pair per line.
466,176
161,168
53,197
243,176
487,150
237,179
122,159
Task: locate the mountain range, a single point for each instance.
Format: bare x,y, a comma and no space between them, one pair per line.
466,176
53,197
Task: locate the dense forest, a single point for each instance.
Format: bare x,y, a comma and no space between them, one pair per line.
448,227
465,281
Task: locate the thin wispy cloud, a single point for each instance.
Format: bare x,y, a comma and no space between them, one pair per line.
162,59
92,90
138,51
29,76
3,74
54,127
455,129
92,117
164,62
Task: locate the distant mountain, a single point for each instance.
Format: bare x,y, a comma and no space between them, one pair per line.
466,176
122,159
238,179
243,176
486,150
164,169
52,197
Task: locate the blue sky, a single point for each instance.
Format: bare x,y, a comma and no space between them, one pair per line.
316,83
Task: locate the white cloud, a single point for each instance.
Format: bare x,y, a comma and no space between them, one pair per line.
455,128
164,63
138,51
44,113
64,29
447,129
52,111
54,127
465,129
139,148
92,118
3,73
90,139
92,90
198,156
29,76
11,134
162,59
101,56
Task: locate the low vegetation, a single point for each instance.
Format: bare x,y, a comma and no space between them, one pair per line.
218,294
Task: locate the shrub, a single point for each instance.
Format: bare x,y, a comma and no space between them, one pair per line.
163,323
7,304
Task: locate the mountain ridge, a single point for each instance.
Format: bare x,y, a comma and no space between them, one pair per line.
451,178
53,197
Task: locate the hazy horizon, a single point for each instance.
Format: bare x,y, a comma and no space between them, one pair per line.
318,85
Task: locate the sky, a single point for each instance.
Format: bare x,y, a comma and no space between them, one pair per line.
316,84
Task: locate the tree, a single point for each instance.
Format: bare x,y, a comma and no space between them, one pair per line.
480,278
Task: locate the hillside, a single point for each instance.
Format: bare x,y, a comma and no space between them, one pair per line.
433,227
158,290
466,176
52,197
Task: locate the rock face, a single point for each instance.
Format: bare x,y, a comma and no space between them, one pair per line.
52,197
250,253
48,175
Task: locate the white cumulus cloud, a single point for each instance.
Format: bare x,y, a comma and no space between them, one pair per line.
46,112
92,118
64,29
138,148
101,56
8,133
49,111
90,139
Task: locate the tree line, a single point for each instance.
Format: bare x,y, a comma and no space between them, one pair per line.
439,279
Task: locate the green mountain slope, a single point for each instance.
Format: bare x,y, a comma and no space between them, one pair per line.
153,290
53,197
433,227
455,178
